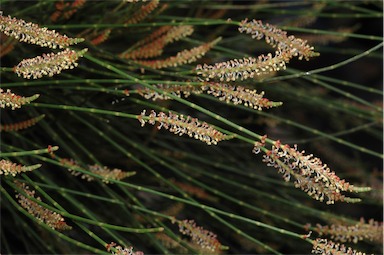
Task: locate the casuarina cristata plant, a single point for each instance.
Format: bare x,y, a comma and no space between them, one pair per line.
191,127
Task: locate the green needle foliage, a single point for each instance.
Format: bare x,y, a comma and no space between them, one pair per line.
191,127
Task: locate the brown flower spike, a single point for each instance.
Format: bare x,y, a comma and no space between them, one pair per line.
20,125
181,58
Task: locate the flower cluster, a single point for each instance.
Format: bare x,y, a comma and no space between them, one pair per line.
155,47
20,125
239,95
66,10
118,250
48,64
8,167
52,219
244,68
143,12
204,238
176,90
153,36
372,231
326,247
32,33
180,125
312,176
182,57
287,47
278,38
9,99
101,37
105,172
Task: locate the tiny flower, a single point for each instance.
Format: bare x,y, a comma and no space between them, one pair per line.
181,125
48,64
8,167
33,34
9,99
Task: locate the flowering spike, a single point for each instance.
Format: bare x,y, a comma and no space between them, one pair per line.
20,125
106,173
180,125
176,90
52,219
244,68
143,12
103,171
372,231
153,36
33,34
48,64
240,95
312,176
278,38
155,47
183,57
103,36
204,238
9,99
8,167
